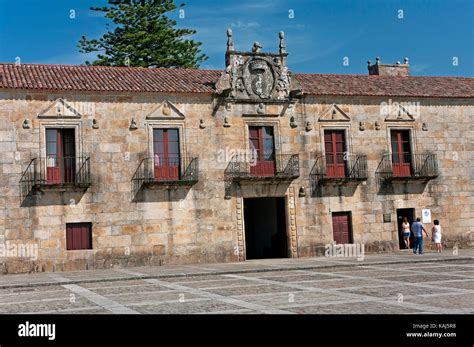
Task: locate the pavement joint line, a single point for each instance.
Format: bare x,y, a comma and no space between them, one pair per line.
96,298
335,264
217,297
100,300
359,296
399,283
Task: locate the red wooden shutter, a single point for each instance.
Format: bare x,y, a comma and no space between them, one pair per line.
334,143
341,227
166,154
78,236
262,146
401,152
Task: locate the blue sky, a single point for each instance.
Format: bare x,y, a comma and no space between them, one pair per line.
433,34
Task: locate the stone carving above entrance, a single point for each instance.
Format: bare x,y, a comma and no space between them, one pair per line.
257,76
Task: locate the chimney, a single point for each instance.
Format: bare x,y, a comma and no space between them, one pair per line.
388,69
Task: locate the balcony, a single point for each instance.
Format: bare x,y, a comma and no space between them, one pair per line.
349,168
155,172
276,168
55,173
407,166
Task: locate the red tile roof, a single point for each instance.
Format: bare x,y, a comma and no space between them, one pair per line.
158,80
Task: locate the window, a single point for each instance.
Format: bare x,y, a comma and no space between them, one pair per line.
401,152
262,150
166,154
78,236
60,156
335,148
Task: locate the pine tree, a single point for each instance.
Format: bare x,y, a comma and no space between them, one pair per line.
144,36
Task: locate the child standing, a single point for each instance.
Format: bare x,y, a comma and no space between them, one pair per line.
436,230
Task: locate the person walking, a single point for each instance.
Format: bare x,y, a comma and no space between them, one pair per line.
406,232
417,228
436,232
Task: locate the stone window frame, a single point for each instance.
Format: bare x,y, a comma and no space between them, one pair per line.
263,122
412,133
61,124
347,134
168,124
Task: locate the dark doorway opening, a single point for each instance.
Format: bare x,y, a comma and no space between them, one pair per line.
342,227
409,213
265,228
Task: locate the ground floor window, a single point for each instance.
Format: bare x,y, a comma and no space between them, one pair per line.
78,236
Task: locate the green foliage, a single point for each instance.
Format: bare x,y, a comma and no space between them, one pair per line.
143,36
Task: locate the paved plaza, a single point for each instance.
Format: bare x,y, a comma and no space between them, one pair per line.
391,283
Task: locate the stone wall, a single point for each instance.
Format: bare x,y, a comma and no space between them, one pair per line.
197,224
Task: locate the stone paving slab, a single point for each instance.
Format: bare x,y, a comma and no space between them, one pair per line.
465,256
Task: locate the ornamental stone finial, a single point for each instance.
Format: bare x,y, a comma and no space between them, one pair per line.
257,47
230,43
282,42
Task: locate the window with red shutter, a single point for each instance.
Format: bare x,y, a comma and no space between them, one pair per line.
262,147
78,236
335,147
166,159
401,152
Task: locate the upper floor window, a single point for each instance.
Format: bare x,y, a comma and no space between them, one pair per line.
401,152
166,154
335,150
262,147
60,156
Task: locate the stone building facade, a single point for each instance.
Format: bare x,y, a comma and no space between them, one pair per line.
112,166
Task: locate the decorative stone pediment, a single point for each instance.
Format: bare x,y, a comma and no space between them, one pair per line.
396,112
334,114
59,109
165,110
256,76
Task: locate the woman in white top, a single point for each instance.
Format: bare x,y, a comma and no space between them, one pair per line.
436,230
406,232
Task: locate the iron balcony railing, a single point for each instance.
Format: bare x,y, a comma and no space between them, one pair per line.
160,170
73,171
340,167
395,166
270,166
276,165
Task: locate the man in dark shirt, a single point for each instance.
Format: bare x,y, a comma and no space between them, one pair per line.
418,229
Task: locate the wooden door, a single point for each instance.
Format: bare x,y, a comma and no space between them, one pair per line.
335,146
166,160
341,224
401,152
262,149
